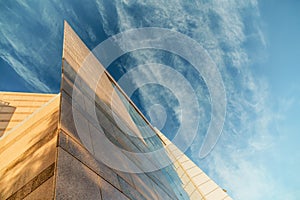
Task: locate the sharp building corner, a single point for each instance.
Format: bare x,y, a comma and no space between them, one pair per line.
44,155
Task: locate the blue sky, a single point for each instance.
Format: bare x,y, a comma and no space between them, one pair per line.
255,45
281,68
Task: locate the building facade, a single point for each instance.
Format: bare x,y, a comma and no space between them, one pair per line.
51,145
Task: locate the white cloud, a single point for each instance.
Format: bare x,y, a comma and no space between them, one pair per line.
26,74
245,178
219,27
25,42
31,38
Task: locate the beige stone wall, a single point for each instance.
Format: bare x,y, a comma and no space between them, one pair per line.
195,182
28,152
76,56
96,178
16,106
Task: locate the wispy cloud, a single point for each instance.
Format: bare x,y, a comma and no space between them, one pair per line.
26,73
222,28
26,43
31,37
244,178
237,160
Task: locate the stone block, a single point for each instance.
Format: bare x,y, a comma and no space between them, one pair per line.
109,192
74,180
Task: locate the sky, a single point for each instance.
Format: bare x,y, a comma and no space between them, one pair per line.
254,44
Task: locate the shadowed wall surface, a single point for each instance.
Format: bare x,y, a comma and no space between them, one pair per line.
28,151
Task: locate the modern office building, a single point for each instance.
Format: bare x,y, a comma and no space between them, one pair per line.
51,145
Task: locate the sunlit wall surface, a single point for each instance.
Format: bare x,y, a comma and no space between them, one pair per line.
121,123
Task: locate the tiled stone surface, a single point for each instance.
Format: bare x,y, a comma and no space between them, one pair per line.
77,55
159,181
195,182
144,185
79,152
228,198
43,192
216,194
28,150
200,179
131,192
128,186
196,196
105,120
190,187
34,184
16,106
109,192
66,118
74,180
127,177
29,133
161,193
194,171
208,187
